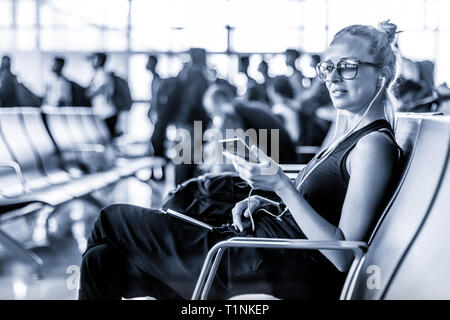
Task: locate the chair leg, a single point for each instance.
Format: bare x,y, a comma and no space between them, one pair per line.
23,253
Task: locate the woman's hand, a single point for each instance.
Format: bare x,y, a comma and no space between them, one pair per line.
245,209
266,175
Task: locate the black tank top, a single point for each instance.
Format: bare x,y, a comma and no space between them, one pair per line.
326,186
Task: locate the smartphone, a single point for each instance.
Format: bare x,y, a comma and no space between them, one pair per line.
238,147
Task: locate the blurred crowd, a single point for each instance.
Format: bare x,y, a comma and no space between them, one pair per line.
296,105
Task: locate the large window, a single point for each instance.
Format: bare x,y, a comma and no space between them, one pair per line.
129,29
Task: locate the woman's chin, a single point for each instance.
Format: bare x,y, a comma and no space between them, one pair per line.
339,105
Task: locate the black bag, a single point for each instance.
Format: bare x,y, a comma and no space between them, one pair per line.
210,197
122,95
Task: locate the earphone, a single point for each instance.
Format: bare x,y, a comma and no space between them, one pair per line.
382,78
323,155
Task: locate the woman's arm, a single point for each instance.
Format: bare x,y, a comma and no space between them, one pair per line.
371,164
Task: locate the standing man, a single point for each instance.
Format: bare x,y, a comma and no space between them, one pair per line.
58,91
154,111
243,65
194,82
296,77
101,90
8,84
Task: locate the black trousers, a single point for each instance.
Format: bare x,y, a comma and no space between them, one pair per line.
135,251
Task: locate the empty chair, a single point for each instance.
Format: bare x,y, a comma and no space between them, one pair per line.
78,184
57,126
95,128
18,143
16,139
12,183
44,146
88,130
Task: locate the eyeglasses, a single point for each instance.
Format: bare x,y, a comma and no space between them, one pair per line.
347,68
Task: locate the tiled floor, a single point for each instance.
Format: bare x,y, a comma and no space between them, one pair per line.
68,229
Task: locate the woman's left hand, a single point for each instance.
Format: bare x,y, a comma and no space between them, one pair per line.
265,175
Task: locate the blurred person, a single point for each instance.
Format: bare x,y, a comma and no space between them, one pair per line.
167,101
296,76
338,196
285,106
193,81
223,82
13,93
313,128
153,111
219,103
263,68
8,84
443,98
101,90
415,83
243,65
58,91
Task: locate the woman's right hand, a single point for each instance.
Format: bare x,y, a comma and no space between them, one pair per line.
244,210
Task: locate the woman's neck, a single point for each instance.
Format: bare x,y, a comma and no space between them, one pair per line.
376,112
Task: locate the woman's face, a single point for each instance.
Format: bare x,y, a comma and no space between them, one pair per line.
356,94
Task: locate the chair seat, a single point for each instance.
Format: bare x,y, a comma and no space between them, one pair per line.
87,184
12,190
51,195
37,183
58,177
127,167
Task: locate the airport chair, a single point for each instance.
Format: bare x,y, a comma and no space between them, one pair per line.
79,183
91,131
45,147
31,178
404,234
34,183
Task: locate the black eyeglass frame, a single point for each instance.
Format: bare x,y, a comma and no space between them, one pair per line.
352,61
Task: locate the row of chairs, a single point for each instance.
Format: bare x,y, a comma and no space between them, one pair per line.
52,156
406,256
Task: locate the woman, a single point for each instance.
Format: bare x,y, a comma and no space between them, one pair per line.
142,252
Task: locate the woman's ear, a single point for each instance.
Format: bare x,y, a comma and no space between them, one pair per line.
385,73
381,80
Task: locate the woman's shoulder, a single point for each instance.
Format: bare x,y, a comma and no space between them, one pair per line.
375,146
375,150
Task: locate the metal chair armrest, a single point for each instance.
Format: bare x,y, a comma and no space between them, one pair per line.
209,268
94,147
18,171
291,170
307,149
292,167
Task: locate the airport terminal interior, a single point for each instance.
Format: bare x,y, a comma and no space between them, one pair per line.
98,96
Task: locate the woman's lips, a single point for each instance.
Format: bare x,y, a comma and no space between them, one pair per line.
338,93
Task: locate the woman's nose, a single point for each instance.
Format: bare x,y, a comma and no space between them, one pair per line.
334,76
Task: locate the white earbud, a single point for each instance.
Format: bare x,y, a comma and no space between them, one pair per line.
382,78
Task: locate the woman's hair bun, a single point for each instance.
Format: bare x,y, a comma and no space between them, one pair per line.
389,28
